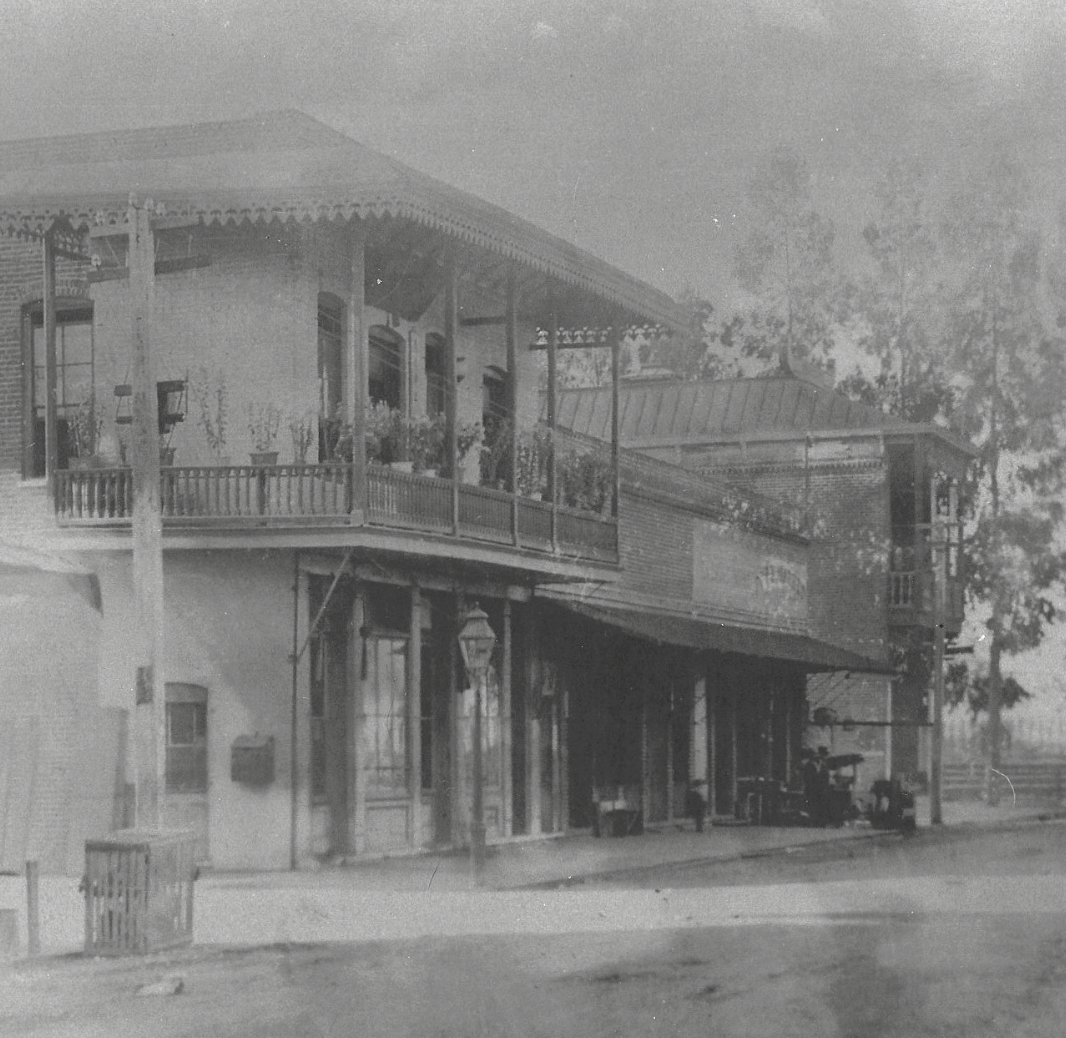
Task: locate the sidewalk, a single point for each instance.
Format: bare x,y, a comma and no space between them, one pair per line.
434,893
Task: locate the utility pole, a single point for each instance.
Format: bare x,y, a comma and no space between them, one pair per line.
150,705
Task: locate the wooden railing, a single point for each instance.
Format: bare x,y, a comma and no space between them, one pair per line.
1030,780
300,495
912,575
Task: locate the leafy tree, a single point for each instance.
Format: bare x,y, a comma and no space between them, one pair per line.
1009,379
787,265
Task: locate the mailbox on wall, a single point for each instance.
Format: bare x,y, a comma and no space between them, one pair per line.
252,760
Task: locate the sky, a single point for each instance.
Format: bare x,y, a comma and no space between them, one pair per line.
629,127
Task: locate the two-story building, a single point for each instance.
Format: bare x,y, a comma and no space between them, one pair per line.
349,360
878,498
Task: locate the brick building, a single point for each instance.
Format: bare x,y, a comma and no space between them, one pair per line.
348,360
877,498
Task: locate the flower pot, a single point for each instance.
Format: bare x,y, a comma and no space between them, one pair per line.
264,457
166,456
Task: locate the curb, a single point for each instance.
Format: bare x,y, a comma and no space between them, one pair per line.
966,827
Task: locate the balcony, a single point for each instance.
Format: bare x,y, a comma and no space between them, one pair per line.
298,497
918,553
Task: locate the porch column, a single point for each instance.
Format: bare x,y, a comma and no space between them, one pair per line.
414,715
733,744
616,377
512,394
560,769
300,741
506,819
355,748
534,826
147,526
552,416
48,305
356,364
451,389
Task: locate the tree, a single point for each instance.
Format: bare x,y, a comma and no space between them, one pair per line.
786,263
895,311
1010,385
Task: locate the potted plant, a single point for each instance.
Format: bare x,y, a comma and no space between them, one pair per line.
85,424
303,430
213,400
264,421
427,444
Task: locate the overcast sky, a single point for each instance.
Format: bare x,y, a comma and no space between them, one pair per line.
627,127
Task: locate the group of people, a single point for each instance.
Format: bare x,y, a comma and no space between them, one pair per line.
817,785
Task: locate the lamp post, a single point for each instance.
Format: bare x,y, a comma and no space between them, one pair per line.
476,642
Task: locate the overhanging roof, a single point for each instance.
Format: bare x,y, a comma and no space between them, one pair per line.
779,407
280,167
694,633
49,572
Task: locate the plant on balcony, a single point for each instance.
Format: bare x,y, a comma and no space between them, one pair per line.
496,452
85,424
533,454
264,422
427,443
212,396
586,481
303,429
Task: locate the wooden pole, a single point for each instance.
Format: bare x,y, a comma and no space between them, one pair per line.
451,387
147,528
512,397
356,362
414,714
938,540
33,910
616,378
51,432
553,460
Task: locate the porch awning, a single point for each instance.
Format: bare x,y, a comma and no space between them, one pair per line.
692,633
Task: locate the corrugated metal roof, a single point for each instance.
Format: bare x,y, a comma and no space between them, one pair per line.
282,166
729,407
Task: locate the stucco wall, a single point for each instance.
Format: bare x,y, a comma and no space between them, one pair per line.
229,629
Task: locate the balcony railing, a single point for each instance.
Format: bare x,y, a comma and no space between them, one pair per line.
913,569
293,496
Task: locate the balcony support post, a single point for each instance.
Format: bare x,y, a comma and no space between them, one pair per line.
616,374
451,392
356,362
552,409
512,396
48,305
939,544
150,705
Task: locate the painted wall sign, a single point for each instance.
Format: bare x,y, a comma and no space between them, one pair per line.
746,572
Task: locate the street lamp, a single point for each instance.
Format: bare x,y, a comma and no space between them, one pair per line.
476,642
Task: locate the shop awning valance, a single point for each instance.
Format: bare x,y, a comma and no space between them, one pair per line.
695,633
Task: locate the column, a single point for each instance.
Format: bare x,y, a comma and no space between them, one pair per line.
511,321
300,740
451,386
552,417
48,301
357,363
616,377
506,820
414,716
534,825
355,742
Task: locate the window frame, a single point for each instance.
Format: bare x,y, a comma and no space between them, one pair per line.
180,694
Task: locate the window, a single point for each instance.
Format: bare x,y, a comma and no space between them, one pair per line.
436,381
386,729
74,378
330,373
186,750
384,379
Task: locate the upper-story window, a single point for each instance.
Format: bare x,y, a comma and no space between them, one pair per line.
385,377
494,404
74,379
436,380
330,353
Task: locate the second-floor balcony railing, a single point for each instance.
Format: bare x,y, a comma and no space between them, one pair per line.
294,496
928,551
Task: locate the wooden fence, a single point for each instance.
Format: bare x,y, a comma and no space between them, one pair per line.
1028,780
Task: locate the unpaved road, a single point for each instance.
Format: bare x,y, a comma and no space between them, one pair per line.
972,965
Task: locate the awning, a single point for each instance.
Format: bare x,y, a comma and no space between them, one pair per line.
692,633
46,571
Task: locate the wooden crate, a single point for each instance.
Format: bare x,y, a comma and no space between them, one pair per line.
138,888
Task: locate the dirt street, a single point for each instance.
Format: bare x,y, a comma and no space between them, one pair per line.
898,968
